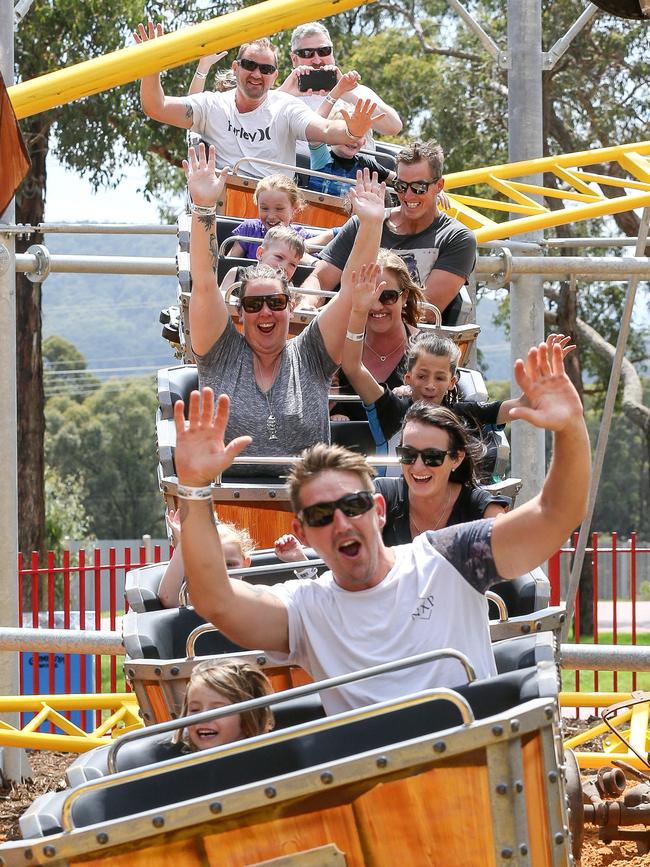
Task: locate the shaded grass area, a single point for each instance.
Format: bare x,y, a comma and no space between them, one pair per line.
606,678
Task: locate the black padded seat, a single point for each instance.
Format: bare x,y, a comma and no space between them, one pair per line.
524,594
515,654
163,635
225,263
354,435
265,759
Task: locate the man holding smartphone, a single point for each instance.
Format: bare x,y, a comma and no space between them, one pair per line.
315,73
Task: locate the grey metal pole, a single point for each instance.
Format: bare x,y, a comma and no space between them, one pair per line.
603,433
12,761
525,141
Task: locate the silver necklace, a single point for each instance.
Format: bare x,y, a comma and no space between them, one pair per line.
440,516
383,358
271,421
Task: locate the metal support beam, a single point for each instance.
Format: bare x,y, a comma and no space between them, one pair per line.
13,762
562,45
486,40
526,143
605,425
608,657
62,641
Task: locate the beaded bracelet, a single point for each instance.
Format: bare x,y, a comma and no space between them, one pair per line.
187,492
356,338
203,210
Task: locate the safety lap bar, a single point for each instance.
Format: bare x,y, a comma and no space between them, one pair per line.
288,695
295,170
500,604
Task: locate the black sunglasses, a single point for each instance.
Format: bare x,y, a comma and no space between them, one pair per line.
417,187
308,53
430,457
352,505
389,296
252,65
254,303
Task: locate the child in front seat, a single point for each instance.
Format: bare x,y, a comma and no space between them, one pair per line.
214,684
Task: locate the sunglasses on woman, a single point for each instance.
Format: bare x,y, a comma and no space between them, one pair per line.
430,457
254,303
252,65
352,505
308,53
417,187
389,296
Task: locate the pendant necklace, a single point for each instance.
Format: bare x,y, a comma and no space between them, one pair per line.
271,421
383,358
440,516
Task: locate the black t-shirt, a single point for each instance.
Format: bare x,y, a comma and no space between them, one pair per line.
470,506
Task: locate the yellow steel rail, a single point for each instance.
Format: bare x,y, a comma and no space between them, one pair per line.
613,748
580,188
69,738
174,49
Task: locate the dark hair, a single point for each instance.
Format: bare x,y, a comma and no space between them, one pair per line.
264,43
237,681
441,347
323,457
389,260
460,439
262,272
419,151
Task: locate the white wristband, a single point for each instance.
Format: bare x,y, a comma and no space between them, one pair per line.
204,210
351,136
198,74
187,492
331,99
356,338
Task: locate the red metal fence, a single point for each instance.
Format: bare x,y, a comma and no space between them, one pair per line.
619,570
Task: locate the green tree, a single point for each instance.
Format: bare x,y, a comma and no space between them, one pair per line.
108,442
65,369
65,515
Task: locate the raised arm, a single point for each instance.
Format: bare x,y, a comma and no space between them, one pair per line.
345,84
208,311
365,288
390,122
353,126
368,205
173,110
247,614
527,536
174,575
197,85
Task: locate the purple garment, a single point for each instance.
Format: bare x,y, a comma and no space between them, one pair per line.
256,229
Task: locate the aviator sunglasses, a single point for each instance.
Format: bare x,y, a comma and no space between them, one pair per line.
252,65
352,505
430,457
389,296
417,187
308,53
254,303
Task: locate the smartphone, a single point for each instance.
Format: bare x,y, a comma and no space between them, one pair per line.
317,79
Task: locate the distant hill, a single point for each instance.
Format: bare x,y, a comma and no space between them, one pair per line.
112,319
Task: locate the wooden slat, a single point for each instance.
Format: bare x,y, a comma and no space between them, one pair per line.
539,837
265,524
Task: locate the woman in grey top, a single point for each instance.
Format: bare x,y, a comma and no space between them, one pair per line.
278,389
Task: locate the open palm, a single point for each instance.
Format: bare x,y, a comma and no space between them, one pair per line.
204,185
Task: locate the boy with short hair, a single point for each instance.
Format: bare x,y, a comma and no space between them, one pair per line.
281,247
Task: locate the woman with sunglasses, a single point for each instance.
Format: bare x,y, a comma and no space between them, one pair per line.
278,389
391,318
438,487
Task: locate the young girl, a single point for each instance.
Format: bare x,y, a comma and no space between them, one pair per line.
431,372
278,200
237,546
214,684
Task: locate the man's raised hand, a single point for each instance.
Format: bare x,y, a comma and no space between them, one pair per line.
368,196
204,184
145,34
552,401
201,451
361,119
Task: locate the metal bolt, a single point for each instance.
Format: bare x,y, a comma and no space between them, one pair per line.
236,495
506,853
146,714
382,761
327,777
215,807
515,725
174,670
439,747
525,628
497,730
538,626
49,851
501,788
158,821
29,854
270,791
131,673
562,618
261,660
523,849
102,837
559,837
552,777
549,712
272,494
157,670
519,786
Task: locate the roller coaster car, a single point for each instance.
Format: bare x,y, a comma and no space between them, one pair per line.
327,792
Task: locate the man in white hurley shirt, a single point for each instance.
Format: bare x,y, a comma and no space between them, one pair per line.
250,121
378,604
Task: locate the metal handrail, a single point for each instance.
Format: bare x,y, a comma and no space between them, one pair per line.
500,604
289,694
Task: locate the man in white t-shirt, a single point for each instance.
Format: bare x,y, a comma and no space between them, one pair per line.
311,48
250,121
379,604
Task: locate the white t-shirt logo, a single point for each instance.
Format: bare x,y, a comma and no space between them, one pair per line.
258,135
424,609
